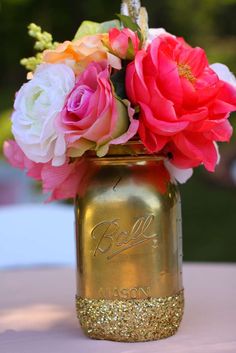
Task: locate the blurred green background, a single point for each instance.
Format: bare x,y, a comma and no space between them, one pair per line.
209,201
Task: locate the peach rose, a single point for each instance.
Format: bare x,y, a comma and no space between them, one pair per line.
81,52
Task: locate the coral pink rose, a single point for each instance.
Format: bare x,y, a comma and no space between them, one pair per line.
62,182
184,105
123,43
93,118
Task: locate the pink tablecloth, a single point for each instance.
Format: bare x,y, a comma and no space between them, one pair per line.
37,314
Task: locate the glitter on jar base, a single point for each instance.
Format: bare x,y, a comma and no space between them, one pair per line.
131,320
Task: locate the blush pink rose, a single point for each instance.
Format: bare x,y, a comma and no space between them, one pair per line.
18,159
184,106
123,43
93,118
62,182
66,181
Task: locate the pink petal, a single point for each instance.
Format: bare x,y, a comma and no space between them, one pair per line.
160,106
14,154
197,147
195,115
150,140
18,159
195,58
221,132
166,128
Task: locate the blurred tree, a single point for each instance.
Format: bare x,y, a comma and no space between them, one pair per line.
207,23
210,23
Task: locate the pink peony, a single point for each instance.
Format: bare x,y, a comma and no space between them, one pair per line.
184,106
62,182
93,118
124,43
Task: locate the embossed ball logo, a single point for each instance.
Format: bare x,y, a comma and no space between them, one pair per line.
111,239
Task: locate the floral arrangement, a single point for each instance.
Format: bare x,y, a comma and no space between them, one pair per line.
114,82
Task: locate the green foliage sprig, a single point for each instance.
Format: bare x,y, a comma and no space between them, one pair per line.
43,41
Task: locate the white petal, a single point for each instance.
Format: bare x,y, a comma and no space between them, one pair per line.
154,33
224,73
218,152
114,61
60,146
178,174
58,161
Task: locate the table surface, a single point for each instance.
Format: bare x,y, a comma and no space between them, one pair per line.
37,314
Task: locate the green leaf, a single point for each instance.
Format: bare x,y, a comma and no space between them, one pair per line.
5,127
128,22
130,51
87,28
90,28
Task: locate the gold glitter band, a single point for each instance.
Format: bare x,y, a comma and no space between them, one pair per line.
132,320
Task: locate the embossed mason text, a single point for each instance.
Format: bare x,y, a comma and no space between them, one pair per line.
125,293
112,239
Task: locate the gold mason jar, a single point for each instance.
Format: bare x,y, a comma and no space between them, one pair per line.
129,248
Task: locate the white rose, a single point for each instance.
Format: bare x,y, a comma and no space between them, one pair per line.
37,105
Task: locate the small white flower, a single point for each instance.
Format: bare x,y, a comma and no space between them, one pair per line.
224,73
37,105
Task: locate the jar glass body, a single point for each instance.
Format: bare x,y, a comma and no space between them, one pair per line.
129,250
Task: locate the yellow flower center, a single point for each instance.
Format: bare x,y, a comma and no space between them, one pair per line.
185,71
